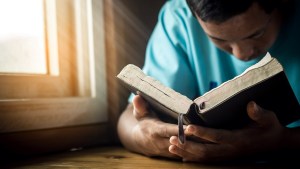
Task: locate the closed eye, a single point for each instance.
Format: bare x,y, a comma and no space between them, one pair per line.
257,35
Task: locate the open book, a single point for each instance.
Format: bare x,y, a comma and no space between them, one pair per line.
224,106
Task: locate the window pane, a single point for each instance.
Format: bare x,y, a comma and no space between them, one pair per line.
22,37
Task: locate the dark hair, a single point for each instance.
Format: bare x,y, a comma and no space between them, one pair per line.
221,10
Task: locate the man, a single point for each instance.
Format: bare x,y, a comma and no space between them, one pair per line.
196,46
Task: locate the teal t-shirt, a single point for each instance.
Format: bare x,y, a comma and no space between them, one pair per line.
181,56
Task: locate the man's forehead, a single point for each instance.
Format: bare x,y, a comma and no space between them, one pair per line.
238,26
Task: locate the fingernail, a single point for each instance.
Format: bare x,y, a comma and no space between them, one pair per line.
172,148
256,107
173,139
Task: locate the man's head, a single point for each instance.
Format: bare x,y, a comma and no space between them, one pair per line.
244,28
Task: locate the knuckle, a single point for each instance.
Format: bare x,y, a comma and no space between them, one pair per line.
163,131
152,134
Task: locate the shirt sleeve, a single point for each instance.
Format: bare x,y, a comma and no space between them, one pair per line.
166,56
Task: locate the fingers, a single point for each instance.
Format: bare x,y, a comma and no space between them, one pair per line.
163,147
254,111
140,107
210,134
259,115
160,129
180,149
186,156
199,152
166,129
159,147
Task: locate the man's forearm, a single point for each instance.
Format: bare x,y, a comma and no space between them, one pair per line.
126,124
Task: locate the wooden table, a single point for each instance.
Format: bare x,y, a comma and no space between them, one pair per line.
118,158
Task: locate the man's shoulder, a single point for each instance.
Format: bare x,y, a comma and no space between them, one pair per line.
177,3
178,7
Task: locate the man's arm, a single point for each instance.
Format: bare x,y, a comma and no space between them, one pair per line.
125,125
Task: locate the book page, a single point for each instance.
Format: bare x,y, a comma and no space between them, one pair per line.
154,90
257,73
265,60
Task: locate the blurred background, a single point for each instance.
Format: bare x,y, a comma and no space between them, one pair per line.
58,62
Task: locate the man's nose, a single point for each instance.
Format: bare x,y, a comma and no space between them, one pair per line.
242,51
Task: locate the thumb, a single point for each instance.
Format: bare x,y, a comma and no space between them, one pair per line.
140,107
259,115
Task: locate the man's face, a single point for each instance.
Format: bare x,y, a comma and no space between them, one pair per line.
247,35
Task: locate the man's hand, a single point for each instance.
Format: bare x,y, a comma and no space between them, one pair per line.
145,133
265,133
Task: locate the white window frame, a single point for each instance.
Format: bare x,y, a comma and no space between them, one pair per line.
88,104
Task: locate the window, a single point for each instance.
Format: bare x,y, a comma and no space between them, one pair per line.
22,40
57,78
